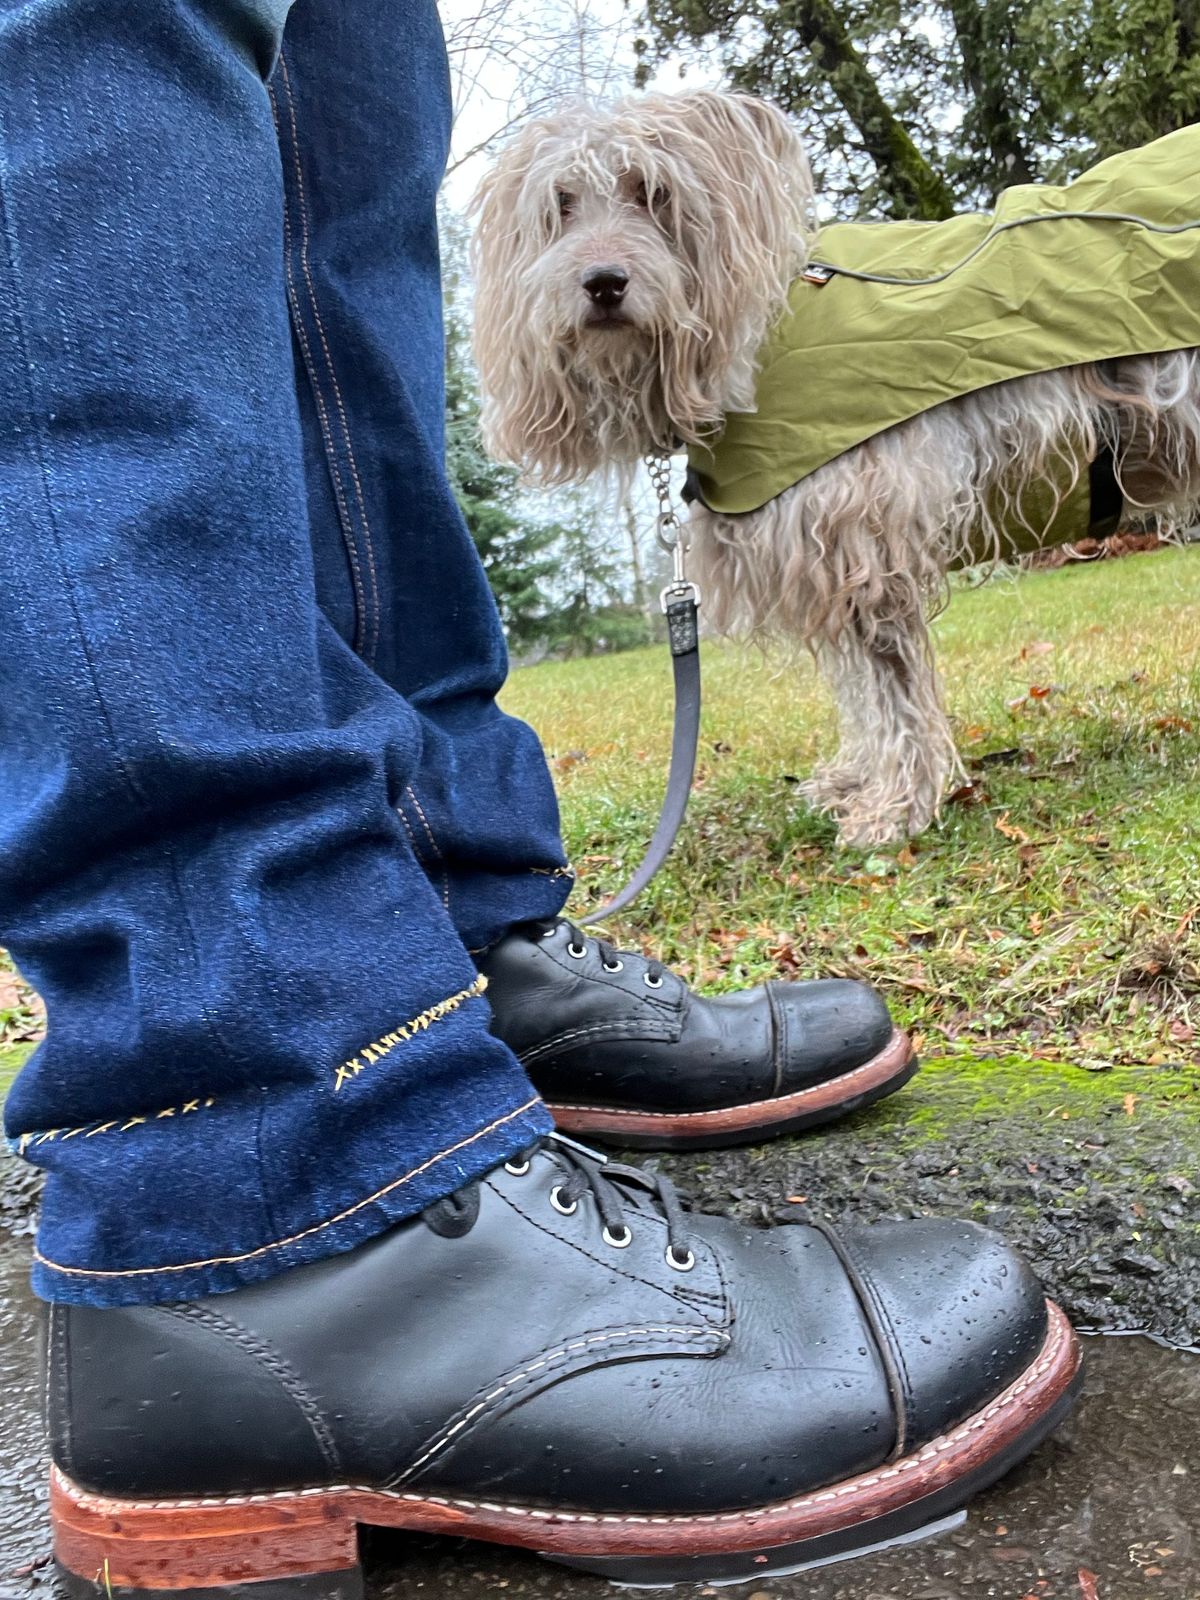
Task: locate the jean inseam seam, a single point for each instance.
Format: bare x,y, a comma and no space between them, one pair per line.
305,1233
371,640
444,874
310,366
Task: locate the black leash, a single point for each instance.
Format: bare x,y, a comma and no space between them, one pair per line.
681,602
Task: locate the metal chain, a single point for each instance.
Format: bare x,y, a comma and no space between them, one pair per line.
670,531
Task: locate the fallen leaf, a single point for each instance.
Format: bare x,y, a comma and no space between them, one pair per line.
1087,1585
1182,1032
1129,1102
573,758
30,1567
1000,758
1010,829
10,994
1040,691
968,794
1040,647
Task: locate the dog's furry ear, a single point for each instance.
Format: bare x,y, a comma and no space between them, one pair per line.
745,220
521,394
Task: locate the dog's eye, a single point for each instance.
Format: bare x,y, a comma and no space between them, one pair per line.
566,202
651,200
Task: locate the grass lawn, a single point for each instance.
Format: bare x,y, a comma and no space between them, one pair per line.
1055,911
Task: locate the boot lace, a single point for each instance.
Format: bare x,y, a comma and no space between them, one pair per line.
620,1194
579,942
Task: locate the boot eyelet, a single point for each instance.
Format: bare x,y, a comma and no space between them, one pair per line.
614,966
619,1241
516,1169
563,1211
651,983
577,950
683,1263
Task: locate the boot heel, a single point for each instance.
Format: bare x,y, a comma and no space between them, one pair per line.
294,1547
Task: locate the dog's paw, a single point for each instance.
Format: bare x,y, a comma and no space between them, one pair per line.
864,816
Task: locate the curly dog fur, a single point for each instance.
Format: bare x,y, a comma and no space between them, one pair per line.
702,203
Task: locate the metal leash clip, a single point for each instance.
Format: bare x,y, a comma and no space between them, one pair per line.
672,535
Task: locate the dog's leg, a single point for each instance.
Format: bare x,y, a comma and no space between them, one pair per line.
896,752
848,563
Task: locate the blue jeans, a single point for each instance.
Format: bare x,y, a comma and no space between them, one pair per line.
257,802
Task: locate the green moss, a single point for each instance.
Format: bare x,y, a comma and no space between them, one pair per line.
968,1098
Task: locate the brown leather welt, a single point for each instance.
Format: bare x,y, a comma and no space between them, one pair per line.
171,1545
891,1060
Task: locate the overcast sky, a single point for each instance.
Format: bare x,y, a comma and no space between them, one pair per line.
505,52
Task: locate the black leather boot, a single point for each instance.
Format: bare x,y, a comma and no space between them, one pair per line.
558,1357
623,1052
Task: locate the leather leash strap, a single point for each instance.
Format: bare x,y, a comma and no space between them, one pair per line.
681,603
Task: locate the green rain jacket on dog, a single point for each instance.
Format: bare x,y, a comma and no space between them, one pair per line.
893,318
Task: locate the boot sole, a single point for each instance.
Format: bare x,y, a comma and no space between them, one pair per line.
752,1120
303,1545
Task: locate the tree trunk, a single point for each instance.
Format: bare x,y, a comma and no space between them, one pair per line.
916,189
983,73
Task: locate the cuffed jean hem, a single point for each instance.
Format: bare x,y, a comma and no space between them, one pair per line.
397,1198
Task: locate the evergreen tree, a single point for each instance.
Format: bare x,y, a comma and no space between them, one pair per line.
516,551
914,110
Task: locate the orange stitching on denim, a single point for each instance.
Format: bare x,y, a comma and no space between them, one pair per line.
412,838
369,1054
373,635
339,492
295,1238
89,1130
412,794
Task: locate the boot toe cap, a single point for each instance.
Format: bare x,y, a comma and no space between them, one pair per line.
959,1314
830,1026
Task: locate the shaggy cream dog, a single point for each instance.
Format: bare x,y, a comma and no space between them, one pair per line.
630,261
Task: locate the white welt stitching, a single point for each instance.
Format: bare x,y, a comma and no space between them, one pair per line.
931,1452
612,1336
621,1025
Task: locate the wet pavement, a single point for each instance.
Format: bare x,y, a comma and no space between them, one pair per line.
1107,1510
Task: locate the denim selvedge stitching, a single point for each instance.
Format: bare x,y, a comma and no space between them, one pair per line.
372,619
310,367
386,1043
306,1233
445,876
422,854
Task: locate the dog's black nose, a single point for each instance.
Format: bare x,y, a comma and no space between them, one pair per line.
606,285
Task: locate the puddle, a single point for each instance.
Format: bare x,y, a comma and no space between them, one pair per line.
1116,1494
